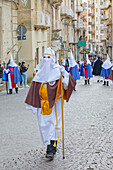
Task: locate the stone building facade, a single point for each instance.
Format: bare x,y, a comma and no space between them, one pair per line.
106,16
8,26
46,22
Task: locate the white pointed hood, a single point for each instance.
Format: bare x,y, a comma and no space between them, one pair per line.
87,59
12,63
47,69
72,62
107,64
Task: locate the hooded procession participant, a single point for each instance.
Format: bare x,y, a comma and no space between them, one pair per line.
12,75
106,69
111,76
73,67
97,68
44,98
86,70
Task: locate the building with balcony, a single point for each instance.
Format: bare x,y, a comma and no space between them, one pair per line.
94,26
106,16
46,22
8,26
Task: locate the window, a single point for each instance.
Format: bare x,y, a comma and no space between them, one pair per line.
96,36
42,50
37,53
96,9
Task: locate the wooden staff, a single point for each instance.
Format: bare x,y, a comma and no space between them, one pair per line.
62,107
61,52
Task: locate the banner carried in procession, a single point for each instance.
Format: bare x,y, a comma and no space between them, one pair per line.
24,2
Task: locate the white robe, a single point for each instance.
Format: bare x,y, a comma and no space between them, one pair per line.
47,123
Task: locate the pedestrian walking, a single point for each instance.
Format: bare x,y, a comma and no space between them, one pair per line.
19,65
97,68
73,68
44,98
12,75
24,74
106,69
86,70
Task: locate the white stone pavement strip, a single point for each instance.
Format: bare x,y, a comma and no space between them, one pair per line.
88,132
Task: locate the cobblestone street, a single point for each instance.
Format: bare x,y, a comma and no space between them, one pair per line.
88,132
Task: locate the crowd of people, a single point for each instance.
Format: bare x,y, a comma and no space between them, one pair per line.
52,84
14,75
45,94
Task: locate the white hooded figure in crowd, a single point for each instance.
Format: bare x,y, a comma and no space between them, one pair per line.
106,70
44,97
73,68
12,75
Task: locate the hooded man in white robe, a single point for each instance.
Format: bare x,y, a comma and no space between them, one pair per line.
106,69
44,98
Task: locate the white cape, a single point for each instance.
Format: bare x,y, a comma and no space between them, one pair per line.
107,64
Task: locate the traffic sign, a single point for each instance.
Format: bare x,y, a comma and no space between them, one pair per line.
21,30
23,37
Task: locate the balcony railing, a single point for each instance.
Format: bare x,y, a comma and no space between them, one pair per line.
104,17
93,31
108,43
103,38
105,5
79,9
92,5
80,25
103,28
57,26
109,22
93,23
42,21
75,17
68,12
57,2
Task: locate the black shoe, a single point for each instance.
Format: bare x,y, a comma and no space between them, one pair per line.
107,83
51,150
55,148
104,83
88,81
85,82
16,89
10,91
97,81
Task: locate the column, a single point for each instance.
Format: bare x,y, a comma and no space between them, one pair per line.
53,18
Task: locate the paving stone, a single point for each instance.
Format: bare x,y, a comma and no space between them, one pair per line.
88,132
